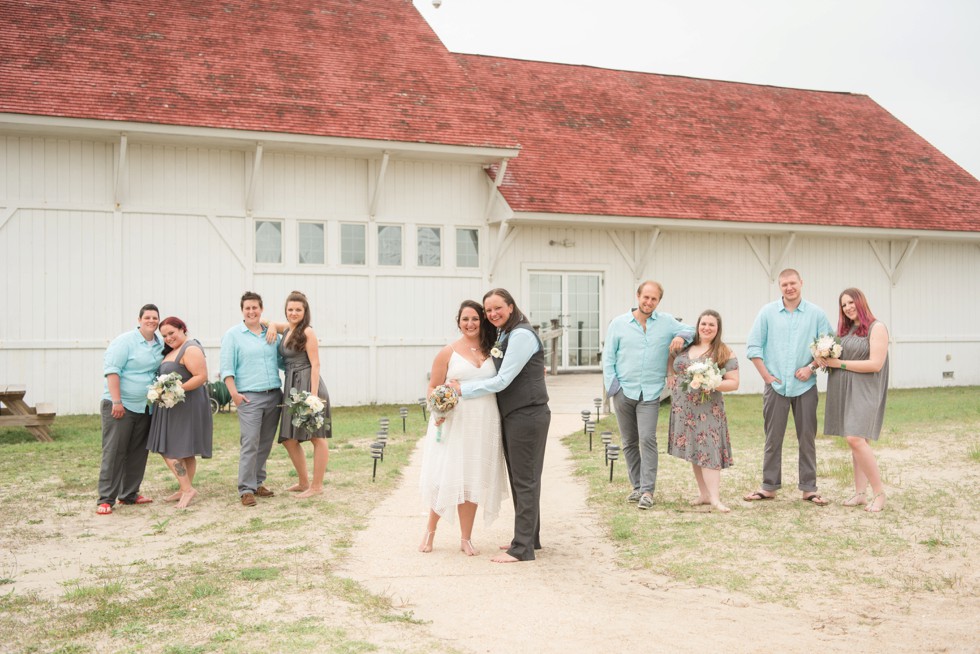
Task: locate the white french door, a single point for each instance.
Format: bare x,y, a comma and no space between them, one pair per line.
569,300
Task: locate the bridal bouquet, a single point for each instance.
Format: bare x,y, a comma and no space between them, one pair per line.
702,377
306,409
166,390
442,400
826,346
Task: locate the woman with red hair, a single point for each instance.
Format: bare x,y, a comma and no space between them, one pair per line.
184,431
856,390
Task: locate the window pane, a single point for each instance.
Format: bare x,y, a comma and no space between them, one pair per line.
467,248
430,246
311,242
352,245
268,241
389,245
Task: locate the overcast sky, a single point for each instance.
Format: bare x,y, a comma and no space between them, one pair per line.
919,59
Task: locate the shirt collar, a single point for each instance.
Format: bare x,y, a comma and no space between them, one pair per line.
799,307
156,337
244,328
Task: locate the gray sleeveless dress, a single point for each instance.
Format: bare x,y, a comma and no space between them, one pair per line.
187,429
856,400
298,376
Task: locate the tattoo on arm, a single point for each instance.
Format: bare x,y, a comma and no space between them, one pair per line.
180,469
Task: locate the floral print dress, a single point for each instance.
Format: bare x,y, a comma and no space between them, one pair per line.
699,428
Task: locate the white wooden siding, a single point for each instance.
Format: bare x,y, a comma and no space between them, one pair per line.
76,267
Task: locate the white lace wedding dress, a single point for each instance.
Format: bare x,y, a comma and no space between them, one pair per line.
464,462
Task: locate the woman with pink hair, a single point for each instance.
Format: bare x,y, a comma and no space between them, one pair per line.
856,390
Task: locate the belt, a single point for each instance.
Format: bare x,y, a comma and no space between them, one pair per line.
271,390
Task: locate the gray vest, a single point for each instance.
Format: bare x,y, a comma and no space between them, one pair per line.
528,388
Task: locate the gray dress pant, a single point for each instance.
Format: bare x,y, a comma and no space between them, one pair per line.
525,434
637,420
775,413
258,420
123,454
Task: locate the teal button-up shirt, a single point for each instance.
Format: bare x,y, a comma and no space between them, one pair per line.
136,361
637,358
249,359
782,340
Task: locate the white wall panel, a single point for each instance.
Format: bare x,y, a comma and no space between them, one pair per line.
76,269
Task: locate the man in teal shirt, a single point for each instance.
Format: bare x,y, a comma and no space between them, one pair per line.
634,366
250,368
779,346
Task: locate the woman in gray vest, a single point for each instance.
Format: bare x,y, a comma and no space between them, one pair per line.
522,398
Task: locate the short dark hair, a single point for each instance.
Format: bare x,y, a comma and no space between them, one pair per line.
149,307
250,295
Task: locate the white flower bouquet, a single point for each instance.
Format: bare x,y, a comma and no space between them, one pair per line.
307,410
826,346
701,377
166,390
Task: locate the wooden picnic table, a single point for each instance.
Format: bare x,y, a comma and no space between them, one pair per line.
14,412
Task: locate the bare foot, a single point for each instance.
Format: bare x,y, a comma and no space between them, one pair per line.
504,557
297,488
426,545
174,497
856,500
700,500
466,547
877,504
310,492
718,506
185,498
504,547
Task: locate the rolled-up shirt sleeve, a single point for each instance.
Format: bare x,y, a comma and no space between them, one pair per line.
115,357
521,347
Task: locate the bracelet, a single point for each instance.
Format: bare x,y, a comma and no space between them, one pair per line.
843,366
813,367
117,404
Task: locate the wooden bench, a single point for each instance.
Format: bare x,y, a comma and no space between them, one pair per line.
14,412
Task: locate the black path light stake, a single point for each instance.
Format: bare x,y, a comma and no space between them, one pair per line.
590,430
425,418
377,452
613,453
382,437
606,437
598,405
403,412
586,416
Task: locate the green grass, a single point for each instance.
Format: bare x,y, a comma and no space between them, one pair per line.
786,550
189,584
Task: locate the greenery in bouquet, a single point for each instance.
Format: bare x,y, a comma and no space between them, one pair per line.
826,346
166,390
701,378
306,410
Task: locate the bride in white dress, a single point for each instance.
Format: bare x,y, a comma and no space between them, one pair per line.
462,456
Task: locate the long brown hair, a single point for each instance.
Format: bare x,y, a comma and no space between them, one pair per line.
297,335
720,353
516,316
488,333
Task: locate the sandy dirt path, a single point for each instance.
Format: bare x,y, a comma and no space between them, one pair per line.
574,597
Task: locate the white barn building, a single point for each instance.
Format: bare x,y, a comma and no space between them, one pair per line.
184,156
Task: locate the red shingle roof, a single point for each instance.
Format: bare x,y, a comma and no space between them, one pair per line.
350,68
609,142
